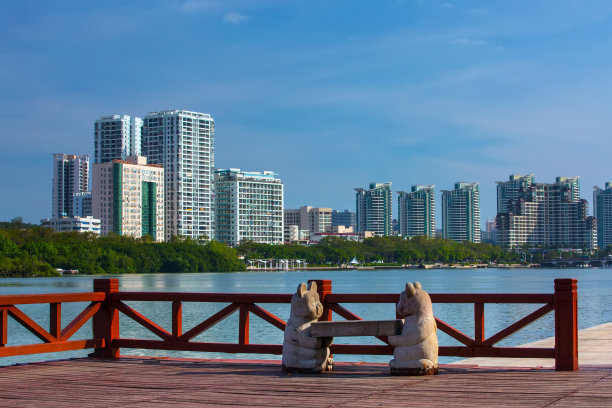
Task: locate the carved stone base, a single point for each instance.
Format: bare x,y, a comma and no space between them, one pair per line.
414,371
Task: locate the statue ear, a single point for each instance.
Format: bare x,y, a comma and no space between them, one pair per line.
313,286
417,286
301,289
410,290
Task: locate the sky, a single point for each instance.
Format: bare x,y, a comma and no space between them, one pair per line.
331,95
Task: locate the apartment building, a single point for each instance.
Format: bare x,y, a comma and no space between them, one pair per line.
248,206
128,197
461,213
183,143
417,212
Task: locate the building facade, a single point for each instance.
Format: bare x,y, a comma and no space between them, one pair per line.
70,177
374,209
345,218
248,206
183,143
546,215
79,224
417,212
313,219
602,210
81,204
116,137
128,197
461,213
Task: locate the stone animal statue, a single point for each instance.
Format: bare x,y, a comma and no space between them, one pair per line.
301,351
416,349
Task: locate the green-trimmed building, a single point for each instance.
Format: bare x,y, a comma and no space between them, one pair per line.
128,197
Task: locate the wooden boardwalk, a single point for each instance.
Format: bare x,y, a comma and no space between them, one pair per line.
136,382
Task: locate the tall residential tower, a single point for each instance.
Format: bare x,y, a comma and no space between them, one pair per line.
116,137
70,177
183,143
461,213
417,212
374,209
544,215
602,209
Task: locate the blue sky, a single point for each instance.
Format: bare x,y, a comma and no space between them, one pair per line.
332,95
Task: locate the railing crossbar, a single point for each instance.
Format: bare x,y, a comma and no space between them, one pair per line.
143,320
208,323
520,324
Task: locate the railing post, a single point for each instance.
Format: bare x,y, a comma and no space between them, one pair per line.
243,331
106,320
479,323
55,320
177,319
566,325
324,288
3,326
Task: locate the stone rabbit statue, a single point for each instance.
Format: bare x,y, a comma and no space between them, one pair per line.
416,349
301,351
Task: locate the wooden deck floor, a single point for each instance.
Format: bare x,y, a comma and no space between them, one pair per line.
138,382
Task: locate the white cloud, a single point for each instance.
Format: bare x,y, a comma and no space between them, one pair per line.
235,18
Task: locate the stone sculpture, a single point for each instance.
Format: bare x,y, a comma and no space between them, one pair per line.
416,349
301,351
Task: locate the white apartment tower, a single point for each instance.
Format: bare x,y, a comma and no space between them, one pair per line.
461,213
70,177
248,206
417,212
128,197
116,137
183,143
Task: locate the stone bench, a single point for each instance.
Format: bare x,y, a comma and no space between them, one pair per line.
357,328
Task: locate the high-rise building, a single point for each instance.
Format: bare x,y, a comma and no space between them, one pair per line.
313,219
511,190
128,197
417,212
602,210
116,137
461,213
183,143
70,177
346,218
248,206
81,204
545,215
374,209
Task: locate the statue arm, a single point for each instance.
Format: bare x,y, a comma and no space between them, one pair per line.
419,333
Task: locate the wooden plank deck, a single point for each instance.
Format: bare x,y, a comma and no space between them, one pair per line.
137,382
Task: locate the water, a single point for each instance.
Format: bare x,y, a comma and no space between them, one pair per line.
594,298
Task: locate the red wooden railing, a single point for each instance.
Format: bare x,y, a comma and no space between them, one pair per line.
107,303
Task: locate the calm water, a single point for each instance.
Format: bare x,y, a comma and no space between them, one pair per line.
594,298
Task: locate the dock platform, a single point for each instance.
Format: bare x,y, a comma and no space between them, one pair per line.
154,382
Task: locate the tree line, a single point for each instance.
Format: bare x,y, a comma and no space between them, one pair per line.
393,250
27,250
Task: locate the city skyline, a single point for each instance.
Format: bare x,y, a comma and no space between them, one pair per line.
330,96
